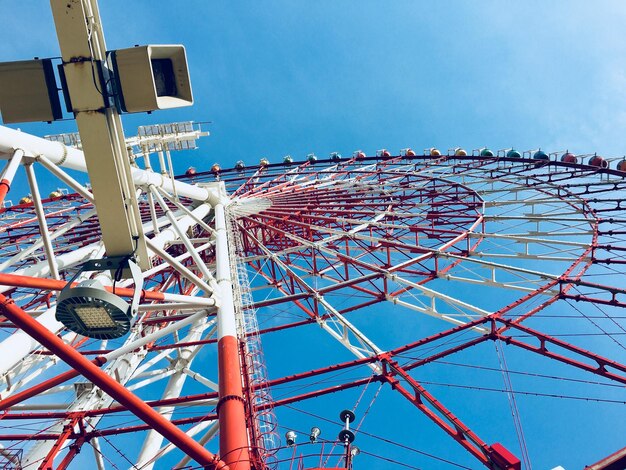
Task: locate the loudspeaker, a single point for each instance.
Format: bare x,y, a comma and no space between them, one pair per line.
151,77
28,91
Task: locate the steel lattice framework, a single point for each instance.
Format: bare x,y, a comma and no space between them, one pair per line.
411,281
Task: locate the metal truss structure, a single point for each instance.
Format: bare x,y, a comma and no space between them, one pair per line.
424,284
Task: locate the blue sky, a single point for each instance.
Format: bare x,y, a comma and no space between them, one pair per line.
294,77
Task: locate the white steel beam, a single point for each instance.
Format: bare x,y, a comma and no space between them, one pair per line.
43,224
74,159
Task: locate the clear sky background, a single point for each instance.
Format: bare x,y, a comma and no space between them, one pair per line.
293,77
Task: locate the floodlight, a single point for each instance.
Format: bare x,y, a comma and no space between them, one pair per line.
151,77
28,91
91,311
88,309
290,436
315,433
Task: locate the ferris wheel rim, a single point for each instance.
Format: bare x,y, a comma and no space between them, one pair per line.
570,283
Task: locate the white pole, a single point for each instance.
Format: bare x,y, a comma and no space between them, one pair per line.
8,173
43,224
153,440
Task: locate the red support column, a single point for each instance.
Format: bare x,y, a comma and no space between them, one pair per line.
231,408
5,185
109,385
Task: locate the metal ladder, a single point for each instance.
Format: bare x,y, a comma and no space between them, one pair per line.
264,418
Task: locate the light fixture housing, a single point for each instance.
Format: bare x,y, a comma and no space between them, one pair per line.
315,433
151,77
290,437
28,91
90,310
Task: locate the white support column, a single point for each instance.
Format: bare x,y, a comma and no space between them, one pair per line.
81,40
41,219
97,453
8,173
153,440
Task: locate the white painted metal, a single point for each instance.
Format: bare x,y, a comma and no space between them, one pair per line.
226,323
17,346
183,237
43,224
97,452
203,441
69,157
81,40
193,431
153,440
67,179
8,172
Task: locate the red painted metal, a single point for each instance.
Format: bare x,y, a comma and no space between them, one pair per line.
503,458
109,385
357,267
601,363
35,390
68,430
5,186
16,280
234,445
615,461
421,398
75,448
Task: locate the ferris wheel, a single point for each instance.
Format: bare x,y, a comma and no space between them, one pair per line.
465,310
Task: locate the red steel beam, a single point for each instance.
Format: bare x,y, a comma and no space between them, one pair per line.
601,362
68,430
110,386
615,461
495,456
15,280
5,186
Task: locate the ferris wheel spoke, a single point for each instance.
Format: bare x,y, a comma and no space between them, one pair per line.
599,366
335,324
429,306
424,401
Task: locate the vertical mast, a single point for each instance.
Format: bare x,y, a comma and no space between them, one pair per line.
83,51
231,410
